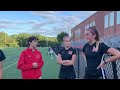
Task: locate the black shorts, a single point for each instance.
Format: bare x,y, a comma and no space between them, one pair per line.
97,74
92,77
65,75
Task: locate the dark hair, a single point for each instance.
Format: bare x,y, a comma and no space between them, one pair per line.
93,30
32,38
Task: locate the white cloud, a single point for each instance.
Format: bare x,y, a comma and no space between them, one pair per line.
49,15
56,20
63,22
4,26
17,22
42,24
45,12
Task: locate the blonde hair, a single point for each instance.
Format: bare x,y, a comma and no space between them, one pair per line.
66,37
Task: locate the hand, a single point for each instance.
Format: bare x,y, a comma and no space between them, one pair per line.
65,61
102,64
35,65
68,63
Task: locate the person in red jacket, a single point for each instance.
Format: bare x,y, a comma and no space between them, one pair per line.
30,61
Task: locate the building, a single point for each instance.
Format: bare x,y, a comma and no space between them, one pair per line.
106,22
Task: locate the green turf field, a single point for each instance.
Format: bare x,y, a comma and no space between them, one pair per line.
50,68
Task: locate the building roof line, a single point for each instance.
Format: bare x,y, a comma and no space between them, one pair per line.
84,20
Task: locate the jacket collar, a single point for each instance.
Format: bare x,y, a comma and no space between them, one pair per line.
30,49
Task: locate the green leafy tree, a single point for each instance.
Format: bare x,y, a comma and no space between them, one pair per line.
61,35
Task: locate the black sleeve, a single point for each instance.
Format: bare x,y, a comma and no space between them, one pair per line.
2,56
60,51
84,48
74,52
104,48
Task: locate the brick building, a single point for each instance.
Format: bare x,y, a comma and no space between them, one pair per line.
106,22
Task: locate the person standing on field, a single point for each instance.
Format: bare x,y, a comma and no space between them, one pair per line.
30,61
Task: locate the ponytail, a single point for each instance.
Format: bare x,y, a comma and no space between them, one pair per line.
97,45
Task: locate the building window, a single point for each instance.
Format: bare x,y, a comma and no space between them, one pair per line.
93,23
106,21
118,17
112,19
76,35
79,31
87,26
72,35
90,25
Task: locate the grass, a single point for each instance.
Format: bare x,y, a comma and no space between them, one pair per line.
10,71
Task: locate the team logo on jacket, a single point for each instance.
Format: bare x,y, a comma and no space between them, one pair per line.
70,52
29,56
94,49
37,56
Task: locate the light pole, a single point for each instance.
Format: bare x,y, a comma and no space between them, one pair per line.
47,41
68,28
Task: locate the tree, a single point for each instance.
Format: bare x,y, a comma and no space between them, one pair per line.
61,35
2,39
17,40
22,39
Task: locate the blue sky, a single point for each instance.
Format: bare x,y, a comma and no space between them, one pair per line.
48,23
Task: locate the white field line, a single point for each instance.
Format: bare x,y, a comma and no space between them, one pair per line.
54,53
9,66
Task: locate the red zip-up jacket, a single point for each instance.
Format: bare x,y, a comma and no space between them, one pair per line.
25,61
